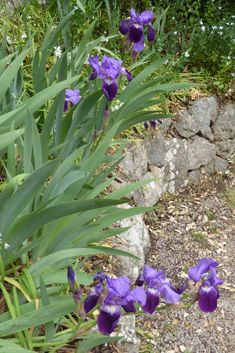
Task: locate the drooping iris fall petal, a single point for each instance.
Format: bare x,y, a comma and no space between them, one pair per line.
108,318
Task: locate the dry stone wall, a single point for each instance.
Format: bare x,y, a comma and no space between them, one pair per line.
205,143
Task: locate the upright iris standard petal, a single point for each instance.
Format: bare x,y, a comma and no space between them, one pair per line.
203,266
110,67
208,299
152,300
214,279
138,295
124,26
108,318
126,73
110,88
134,16
72,96
146,17
119,286
169,294
136,32
94,62
151,33
152,274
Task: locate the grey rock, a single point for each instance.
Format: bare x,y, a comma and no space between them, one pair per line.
149,194
200,152
176,165
224,125
225,149
166,123
187,126
204,112
128,166
135,162
116,185
194,175
135,240
217,164
156,150
126,328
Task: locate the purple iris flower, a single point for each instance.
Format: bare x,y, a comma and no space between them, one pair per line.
109,70
74,286
71,96
119,295
134,27
158,285
208,292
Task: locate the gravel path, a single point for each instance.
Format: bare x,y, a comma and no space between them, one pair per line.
196,223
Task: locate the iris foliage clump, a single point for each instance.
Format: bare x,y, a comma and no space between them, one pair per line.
60,142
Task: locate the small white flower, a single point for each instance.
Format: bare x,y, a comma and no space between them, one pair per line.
220,7
24,36
6,246
220,33
203,28
173,18
228,57
201,22
175,32
186,54
226,94
29,17
13,95
214,27
166,62
233,74
9,41
58,51
221,27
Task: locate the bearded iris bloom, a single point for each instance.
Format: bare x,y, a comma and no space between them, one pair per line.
109,70
118,296
134,27
71,96
208,293
158,285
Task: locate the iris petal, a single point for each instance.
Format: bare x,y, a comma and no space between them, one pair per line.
146,17
151,33
214,279
94,62
91,300
110,88
134,16
108,318
110,67
73,95
169,295
129,307
135,33
66,104
127,73
151,274
124,26
203,266
152,300
208,299
138,295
